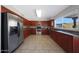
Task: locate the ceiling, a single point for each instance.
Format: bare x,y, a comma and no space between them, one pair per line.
48,11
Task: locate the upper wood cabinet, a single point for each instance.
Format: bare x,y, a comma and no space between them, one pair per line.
3,9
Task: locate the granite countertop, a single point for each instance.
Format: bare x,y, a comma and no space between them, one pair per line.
69,29
71,34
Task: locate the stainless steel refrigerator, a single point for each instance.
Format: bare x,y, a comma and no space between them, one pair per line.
11,32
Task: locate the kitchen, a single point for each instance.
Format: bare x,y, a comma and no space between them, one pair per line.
66,39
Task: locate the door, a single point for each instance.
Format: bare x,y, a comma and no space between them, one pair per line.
20,33
12,32
4,33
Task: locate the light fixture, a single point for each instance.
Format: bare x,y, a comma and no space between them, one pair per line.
38,12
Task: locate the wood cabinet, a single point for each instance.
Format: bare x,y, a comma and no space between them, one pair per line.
75,44
27,32
3,10
45,32
33,31
68,42
63,40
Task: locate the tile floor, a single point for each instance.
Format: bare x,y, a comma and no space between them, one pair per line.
39,44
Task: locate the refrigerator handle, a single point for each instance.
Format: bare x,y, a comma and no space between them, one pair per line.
18,29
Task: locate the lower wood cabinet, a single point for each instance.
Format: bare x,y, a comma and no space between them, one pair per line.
26,32
67,42
75,44
33,31
45,32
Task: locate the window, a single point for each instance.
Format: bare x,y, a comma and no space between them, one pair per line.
58,23
66,23
77,24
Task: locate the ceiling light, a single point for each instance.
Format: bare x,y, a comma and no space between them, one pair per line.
38,12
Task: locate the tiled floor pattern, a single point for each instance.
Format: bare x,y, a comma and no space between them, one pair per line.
39,44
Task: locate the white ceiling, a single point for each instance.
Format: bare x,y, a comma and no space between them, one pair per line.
48,11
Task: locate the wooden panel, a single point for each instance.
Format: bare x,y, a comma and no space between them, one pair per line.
45,32
3,10
33,31
65,41
33,23
51,23
36,23
26,22
76,45
42,23
27,32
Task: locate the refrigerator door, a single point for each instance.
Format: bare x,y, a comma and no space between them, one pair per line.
12,32
20,33
4,33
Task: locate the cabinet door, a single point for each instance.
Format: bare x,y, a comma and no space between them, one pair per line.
33,31
65,41
68,43
76,45
45,31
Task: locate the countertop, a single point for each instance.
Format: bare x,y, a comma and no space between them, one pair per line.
74,35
